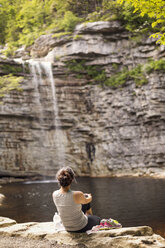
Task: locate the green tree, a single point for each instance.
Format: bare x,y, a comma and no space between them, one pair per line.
30,20
22,21
8,26
155,9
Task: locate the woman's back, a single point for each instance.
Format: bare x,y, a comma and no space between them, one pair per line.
70,212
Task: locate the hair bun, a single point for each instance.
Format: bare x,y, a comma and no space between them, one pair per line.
65,176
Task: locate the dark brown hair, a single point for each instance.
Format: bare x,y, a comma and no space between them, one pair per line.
65,176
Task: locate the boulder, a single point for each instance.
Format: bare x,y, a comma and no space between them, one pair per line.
6,222
1,199
130,237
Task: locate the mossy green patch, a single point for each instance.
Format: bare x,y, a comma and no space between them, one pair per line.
138,74
9,68
119,79
81,69
156,65
58,35
77,37
97,75
9,83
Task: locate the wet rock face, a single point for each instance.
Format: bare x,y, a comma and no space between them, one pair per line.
105,131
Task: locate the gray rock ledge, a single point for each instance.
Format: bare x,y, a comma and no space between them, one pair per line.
130,237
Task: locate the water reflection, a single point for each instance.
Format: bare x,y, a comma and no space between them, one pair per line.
40,181
132,201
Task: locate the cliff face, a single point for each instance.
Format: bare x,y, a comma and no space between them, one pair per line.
102,130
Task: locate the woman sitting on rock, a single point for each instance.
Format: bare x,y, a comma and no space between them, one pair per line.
73,206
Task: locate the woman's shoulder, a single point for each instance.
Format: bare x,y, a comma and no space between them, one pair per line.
77,192
56,192
77,195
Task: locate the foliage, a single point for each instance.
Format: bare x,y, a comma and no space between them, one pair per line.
137,74
92,72
14,69
112,10
108,11
9,83
69,21
60,34
95,75
154,9
75,66
23,21
10,50
133,21
77,37
158,65
121,78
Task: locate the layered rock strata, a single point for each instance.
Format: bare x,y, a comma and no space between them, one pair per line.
106,131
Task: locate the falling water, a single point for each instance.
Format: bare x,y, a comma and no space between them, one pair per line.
58,135
37,80
41,149
39,70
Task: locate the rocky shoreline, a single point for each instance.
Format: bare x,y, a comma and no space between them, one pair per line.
15,235
159,174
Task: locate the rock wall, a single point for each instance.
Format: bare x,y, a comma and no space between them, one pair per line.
105,131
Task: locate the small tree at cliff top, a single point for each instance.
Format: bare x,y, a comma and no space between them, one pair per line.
154,9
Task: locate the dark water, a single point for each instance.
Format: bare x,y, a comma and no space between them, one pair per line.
132,201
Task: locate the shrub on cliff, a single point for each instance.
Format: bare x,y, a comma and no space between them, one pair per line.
94,74
9,83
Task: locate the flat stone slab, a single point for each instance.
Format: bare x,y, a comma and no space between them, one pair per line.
4,222
129,237
100,26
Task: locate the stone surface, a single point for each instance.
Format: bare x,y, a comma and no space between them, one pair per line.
100,27
6,222
130,237
104,131
2,197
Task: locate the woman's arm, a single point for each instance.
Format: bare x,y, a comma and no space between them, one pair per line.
80,198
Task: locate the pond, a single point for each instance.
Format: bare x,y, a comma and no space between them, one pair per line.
132,201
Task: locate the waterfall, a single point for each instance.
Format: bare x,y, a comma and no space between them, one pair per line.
58,135
49,152
36,72
40,71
